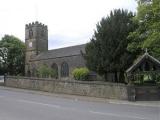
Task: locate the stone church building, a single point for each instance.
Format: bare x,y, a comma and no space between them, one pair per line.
63,60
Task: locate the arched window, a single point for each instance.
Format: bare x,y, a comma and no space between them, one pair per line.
30,33
64,70
55,68
33,70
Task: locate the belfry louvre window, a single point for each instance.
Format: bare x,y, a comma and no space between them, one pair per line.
64,70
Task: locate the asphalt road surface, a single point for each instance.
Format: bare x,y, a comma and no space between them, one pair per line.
18,105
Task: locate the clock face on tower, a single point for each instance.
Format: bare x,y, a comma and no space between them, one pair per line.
30,44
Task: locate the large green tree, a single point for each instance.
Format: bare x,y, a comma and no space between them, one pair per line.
12,55
147,35
107,50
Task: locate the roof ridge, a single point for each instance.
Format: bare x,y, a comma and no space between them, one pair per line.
61,52
68,47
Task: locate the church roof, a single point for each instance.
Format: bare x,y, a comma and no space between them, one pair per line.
61,52
140,60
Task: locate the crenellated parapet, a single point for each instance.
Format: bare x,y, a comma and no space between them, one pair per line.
36,30
35,24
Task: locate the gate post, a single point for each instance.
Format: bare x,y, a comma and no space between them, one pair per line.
131,93
5,75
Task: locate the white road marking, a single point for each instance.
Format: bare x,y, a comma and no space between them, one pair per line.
39,103
48,105
116,115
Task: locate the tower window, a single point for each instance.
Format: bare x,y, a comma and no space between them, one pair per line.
64,70
30,33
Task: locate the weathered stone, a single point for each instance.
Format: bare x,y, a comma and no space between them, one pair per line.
92,89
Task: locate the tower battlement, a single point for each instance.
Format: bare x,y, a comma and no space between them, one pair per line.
35,24
36,30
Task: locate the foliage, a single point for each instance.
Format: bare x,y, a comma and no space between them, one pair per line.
45,72
147,35
80,73
107,50
146,78
12,55
2,71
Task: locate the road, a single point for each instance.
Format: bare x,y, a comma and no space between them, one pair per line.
19,105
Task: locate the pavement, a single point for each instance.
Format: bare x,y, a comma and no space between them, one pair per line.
21,104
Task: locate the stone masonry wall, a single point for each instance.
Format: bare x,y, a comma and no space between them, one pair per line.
73,62
91,88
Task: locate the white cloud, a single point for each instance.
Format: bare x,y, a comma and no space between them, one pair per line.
70,21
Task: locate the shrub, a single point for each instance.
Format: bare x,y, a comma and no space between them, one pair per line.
45,72
80,73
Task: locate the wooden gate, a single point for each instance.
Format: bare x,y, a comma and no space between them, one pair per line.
147,93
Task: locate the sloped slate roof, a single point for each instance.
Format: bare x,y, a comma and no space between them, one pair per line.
61,52
140,60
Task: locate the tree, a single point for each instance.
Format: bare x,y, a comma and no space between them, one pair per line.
12,55
147,35
107,50
1,68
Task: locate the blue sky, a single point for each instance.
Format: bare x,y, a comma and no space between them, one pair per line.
70,22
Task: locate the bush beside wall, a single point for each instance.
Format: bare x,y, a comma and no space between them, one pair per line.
80,73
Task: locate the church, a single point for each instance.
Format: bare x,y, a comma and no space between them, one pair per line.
63,60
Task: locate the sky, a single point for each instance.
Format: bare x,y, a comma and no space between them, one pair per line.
70,22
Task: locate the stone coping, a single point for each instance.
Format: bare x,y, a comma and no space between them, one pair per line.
68,81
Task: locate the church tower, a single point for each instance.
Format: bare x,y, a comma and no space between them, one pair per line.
36,41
